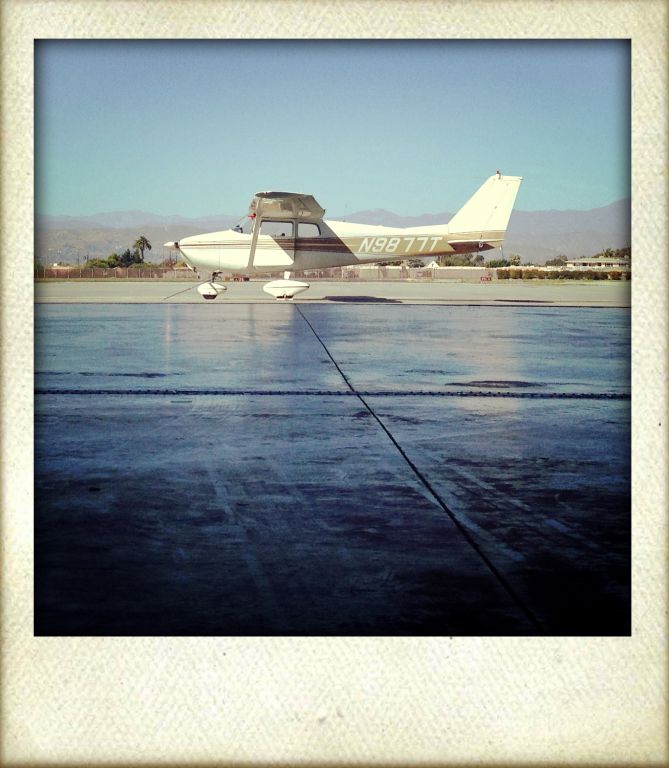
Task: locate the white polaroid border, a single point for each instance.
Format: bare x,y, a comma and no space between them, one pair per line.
341,700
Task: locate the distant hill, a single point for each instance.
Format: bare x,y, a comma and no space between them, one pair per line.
542,235
71,239
535,235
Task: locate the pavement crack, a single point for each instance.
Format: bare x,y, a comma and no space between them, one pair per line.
428,486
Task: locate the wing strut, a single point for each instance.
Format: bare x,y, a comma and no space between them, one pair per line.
254,236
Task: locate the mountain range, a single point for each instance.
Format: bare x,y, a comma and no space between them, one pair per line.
535,235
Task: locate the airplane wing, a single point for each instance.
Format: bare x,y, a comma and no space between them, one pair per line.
285,205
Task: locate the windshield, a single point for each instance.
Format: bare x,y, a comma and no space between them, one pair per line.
273,228
245,225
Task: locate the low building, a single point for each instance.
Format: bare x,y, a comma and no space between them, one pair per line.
622,263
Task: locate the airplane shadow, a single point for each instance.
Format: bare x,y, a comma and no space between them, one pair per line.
362,299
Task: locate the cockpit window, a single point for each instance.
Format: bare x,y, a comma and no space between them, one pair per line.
276,228
306,229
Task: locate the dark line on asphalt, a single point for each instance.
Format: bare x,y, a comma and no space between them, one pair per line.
407,302
327,351
340,393
426,483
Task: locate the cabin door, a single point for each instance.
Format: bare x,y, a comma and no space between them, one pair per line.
283,235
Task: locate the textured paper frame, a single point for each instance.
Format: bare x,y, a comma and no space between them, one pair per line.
227,701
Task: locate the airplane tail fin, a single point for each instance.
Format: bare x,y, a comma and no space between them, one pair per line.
485,216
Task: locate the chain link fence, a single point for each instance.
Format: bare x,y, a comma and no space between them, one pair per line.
353,273
459,274
361,273
119,273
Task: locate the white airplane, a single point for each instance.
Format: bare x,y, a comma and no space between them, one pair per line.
286,231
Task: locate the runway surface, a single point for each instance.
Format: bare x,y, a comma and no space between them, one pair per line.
340,468
607,293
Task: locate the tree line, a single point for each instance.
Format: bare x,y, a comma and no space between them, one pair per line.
477,260
128,258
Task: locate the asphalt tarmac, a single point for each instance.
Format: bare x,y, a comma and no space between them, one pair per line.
601,293
340,468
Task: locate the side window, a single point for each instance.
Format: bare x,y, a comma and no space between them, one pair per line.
306,229
276,228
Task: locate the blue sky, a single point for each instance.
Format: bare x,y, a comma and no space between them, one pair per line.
197,127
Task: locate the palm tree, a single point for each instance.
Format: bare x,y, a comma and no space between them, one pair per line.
140,244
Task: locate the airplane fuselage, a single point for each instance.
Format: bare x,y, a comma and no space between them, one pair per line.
328,244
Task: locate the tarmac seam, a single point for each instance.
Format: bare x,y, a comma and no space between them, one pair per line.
338,393
428,486
385,302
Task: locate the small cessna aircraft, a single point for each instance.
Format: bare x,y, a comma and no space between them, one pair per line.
286,231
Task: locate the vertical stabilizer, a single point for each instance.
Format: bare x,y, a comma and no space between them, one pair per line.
486,215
